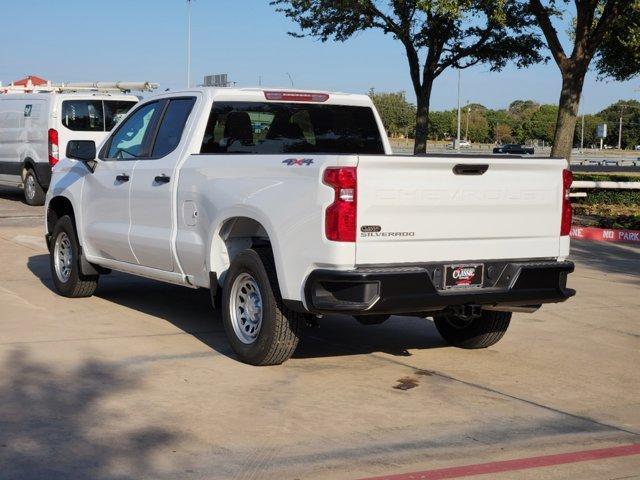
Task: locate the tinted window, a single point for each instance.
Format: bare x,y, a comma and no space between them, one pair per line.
262,127
128,140
83,115
114,111
173,122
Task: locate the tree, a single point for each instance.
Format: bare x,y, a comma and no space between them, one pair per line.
619,54
542,124
502,133
629,111
398,115
440,125
594,21
443,33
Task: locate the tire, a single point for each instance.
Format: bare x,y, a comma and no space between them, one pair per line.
270,332
33,192
481,332
371,319
67,277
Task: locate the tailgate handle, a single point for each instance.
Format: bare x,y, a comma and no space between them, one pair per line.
467,169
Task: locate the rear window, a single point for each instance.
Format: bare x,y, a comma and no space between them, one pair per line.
272,128
114,111
93,115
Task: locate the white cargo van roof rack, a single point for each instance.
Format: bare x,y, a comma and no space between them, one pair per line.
103,87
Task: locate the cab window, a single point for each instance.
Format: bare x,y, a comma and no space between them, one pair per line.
171,127
129,139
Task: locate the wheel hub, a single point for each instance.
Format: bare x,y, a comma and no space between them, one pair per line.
63,257
246,308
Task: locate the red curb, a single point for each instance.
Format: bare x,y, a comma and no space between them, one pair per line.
518,464
605,234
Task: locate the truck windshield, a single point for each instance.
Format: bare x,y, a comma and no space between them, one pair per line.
93,115
271,128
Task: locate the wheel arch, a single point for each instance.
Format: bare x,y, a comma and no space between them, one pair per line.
58,207
235,234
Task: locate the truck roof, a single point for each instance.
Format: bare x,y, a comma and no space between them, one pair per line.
259,94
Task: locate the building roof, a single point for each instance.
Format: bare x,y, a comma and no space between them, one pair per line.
35,81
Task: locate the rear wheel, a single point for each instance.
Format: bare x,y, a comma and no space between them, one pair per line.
64,259
33,192
471,333
260,328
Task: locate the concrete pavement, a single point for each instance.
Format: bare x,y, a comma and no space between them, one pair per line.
139,382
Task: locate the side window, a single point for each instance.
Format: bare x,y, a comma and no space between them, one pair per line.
172,125
114,111
83,115
128,140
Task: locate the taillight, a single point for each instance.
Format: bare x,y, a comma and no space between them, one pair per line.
54,153
297,96
565,225
340,217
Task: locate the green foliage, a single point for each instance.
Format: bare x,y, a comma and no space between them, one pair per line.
605,177
610,197
629,110
398,115
619,55
541,124
440,125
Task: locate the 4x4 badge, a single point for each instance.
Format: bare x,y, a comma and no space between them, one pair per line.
298,162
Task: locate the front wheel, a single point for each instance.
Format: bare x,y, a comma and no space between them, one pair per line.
471,333
260,328
64,259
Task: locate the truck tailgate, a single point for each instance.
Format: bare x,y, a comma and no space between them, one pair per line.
418,209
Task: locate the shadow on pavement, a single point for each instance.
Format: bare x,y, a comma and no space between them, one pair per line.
11,193
191,311
607,257
52,424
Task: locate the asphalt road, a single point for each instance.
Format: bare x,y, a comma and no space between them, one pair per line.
138,382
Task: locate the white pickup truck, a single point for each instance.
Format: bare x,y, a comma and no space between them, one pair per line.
289,205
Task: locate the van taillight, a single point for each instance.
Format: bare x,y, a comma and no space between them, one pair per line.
340,217
54,153
565,225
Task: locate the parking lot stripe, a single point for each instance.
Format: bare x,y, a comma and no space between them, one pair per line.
517,464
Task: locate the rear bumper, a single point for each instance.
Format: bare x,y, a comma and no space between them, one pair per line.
418,288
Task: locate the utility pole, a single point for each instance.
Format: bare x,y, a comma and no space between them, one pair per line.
458,135
582,134
290,79
189,44
466,132
620,128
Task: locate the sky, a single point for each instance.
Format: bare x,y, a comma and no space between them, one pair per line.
145,40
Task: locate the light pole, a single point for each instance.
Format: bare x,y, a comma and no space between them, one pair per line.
466,131
458,135
622,107
188,43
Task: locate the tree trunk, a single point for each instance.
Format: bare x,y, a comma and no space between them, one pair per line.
423,96
572,82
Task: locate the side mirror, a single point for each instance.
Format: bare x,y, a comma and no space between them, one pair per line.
83,150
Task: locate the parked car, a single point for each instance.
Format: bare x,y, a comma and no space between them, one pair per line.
317,217
35,127
514,149
463,144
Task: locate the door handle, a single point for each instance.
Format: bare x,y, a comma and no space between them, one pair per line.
470,169
162,179
122,178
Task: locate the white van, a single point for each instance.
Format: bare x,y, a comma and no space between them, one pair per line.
35,128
